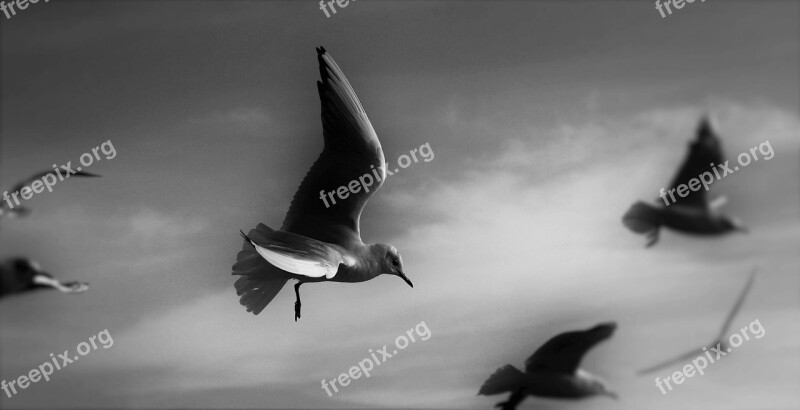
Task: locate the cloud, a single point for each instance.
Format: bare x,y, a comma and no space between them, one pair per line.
510,261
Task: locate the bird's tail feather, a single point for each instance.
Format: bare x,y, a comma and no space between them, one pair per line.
259,281
642,218
505,379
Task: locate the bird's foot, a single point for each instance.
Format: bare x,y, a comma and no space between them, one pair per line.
652,238
297,310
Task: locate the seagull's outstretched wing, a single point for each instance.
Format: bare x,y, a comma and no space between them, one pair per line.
723,333
703,151
352,154
563,353
300,255
682,359
20,211
41,175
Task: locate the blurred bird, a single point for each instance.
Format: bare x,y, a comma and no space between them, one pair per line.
693,214
8,210
553,370
721,336
320,241
21,275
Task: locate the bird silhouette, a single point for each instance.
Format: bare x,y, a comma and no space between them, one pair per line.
552,371
321,241
721,338
695,213
9,210
19,275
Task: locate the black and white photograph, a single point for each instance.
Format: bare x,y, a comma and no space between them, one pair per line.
400,204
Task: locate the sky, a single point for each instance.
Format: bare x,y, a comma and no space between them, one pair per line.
547,120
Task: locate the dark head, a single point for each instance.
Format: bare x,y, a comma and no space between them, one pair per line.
391,261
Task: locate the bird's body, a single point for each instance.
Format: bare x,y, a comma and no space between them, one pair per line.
693,213
552,371
319,241
559,386
21,275
688,220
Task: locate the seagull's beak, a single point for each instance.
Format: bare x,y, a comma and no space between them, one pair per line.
405,278
611,394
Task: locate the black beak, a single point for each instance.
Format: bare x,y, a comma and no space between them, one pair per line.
405,278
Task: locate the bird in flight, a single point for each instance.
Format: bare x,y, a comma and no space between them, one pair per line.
695,213
721,338
7,208
318,241
21,275
552,371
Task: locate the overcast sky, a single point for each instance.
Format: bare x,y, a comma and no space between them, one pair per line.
547,119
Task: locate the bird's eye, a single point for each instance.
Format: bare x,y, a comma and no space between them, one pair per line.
395,262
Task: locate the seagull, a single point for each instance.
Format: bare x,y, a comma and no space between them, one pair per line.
21,275
6,209
720,339
552,371
319,241
693,214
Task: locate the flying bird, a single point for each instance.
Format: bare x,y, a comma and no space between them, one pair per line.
695,213
319,241
8,209
21,275
719,340
552,371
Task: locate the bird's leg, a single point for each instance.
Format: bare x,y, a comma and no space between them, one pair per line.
297,303
652,237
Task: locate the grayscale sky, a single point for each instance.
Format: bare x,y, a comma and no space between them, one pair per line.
547,119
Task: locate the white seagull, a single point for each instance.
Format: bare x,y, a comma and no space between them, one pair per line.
721,338
8,209
318,241
552,371
693,214
21,275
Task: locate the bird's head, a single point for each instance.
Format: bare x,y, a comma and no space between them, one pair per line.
603,390
594,385
598,387
733,224
391,262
